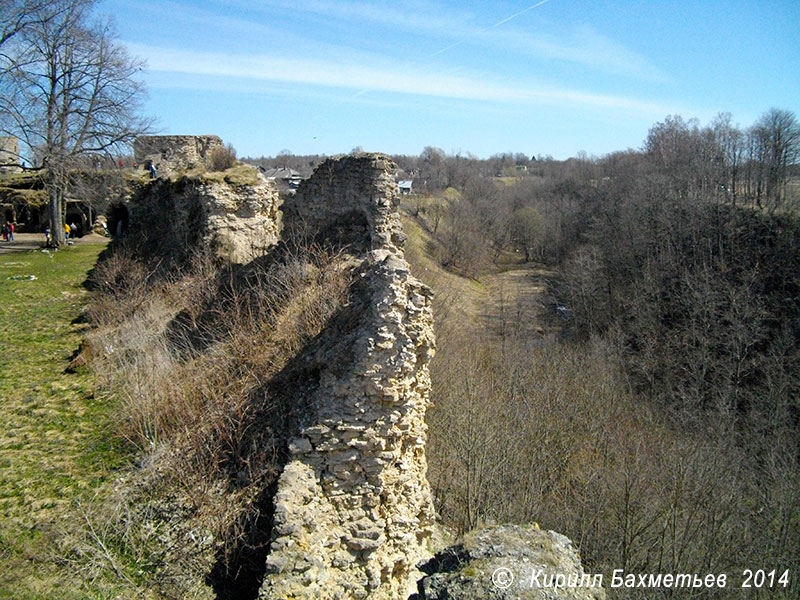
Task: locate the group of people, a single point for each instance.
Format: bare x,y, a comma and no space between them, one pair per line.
8,232
70,231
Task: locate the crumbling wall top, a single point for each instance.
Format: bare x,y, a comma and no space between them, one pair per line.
346,192
172,153
9,154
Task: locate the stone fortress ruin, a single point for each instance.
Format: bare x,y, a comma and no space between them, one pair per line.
173,153
353,513
9,155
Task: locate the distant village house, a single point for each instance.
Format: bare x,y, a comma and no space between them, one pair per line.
404,185
283,177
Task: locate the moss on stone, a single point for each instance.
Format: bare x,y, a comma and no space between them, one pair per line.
236,176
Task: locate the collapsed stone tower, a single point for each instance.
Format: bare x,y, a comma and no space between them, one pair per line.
353,509
236,219
9,154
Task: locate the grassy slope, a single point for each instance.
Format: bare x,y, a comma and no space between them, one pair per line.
456,296
53,449
511,290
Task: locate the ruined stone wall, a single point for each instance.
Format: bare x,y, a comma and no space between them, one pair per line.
353,510
173,153
348,191
352,515
9,154
237,222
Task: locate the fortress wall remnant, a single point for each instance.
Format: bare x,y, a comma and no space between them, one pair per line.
353,510
347,197
173,153
236,222
9,154
352,515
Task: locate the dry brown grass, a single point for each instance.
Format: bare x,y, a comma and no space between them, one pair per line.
189,358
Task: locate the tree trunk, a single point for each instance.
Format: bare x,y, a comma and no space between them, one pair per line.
56,216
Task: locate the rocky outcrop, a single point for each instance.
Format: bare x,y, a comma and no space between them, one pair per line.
235,218
173,153
353,509
510,562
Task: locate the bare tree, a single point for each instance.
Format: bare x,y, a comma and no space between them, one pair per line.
779,133
731,142
70,90
18,15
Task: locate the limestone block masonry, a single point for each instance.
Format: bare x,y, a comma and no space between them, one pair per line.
353,509
173,153
9,154
349,198
235,222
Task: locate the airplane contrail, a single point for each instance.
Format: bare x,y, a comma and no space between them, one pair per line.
454,45
501,22
522,12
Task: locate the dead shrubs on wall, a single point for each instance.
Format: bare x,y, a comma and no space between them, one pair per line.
187,360
222,158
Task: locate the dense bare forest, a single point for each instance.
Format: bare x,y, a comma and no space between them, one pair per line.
661,428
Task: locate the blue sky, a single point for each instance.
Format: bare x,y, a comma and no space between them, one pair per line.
549,77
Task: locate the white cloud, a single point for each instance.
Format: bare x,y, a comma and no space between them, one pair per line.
370,73
375,74
582,44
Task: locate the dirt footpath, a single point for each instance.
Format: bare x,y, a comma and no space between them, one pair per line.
517,303
34,241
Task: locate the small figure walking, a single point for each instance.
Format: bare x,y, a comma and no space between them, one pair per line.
66,230
11,232
152,168
47,235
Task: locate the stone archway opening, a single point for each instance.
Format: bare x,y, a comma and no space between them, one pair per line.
118,219
77,222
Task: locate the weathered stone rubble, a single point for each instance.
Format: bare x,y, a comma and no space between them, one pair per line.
353,510
237,222
349,199
510,562
173,153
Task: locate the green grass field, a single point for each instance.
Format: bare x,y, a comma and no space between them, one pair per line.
54,444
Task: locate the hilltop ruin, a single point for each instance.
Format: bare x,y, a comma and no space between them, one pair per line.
355,489
347,511
173,153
